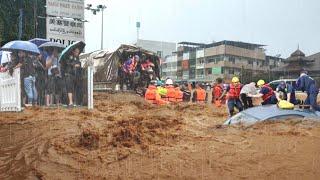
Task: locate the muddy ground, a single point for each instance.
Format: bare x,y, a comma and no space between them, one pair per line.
126,138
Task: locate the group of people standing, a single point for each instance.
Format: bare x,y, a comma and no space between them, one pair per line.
47,81
234,95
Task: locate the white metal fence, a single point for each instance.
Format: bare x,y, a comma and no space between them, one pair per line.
10,91
90,87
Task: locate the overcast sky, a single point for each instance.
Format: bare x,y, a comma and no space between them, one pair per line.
279,24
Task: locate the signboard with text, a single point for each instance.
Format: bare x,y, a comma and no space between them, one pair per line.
64,31
66,8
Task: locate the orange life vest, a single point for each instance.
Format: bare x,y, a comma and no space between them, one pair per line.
150,94
269,94
234,91
201,95
171,94
178,95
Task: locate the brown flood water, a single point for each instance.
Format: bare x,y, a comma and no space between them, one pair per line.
126,138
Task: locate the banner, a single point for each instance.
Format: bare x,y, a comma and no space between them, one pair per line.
216,70
64,31
66,8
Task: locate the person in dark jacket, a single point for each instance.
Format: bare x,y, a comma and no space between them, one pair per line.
71,68
307,84
288,91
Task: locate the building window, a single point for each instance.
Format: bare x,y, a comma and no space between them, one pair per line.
250,62
209,71
232,60
231,71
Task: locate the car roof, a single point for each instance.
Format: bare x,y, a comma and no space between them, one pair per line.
281,80
262,113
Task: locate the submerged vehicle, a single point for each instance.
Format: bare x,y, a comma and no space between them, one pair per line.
271,112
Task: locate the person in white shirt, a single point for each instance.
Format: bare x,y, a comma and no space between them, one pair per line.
247,89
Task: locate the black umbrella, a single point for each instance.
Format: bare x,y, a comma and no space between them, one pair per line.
70,48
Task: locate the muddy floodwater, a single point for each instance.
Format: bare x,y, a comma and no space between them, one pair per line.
126,138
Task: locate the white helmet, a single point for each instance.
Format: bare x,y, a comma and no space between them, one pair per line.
169,82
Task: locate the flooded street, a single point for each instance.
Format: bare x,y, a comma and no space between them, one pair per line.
126,138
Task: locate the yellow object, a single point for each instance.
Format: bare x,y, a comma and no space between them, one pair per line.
261,82
235,79
283,104
162,91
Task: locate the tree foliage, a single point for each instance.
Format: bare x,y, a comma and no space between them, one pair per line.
9,19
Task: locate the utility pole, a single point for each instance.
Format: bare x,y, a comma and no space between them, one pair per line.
94,11
35,17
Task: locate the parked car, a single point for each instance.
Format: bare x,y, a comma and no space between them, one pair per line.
275,83
269,113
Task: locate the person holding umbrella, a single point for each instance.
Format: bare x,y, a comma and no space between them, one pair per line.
71,70
53,89
25,52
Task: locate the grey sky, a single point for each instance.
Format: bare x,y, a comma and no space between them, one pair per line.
280,24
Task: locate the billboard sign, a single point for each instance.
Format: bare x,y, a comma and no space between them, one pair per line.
66,8
64,31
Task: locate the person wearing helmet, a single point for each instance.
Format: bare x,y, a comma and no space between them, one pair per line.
307,84
217,92
266,93
288,92
171,92
199,95
152,96
233,95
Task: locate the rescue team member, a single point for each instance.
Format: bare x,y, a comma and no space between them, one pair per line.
233,95
307,84
289,93
247,89
178,94
217,92
266,92
171,92
199,95
186,93
152,95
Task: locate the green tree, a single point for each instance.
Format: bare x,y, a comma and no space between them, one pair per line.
9,19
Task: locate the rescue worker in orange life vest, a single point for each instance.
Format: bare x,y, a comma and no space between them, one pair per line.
266,93
233,95
171,92
178,93
199,94
150,94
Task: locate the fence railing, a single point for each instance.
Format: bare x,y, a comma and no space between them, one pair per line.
10,91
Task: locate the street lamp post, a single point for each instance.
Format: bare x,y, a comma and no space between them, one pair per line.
94,11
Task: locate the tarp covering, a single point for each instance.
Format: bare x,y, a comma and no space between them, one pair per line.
108,64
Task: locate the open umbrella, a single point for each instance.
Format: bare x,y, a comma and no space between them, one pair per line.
52,44
38,41
70,48
27,46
